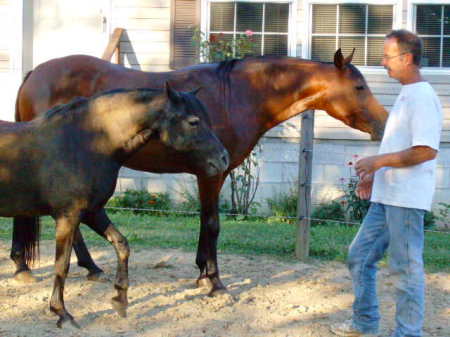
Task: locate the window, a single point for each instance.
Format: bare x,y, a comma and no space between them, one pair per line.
348,26
432,24
267,20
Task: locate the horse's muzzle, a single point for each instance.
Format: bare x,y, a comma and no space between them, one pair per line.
219,165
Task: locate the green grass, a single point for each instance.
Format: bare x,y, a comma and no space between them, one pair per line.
256,237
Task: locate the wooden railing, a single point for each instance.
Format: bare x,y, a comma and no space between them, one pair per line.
113,46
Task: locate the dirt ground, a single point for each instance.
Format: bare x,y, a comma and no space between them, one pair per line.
266,298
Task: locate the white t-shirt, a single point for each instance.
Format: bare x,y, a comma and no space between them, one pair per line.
415,119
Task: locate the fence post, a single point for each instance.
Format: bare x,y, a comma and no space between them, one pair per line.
304,185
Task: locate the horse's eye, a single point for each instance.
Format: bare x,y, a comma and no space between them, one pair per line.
359,87
194,121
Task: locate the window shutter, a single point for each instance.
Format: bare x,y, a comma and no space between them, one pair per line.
276,21
352,18
276,18
428,20
323,48
249,16
222,16
347,43
447,20
375,50
380,19
324,19
446,55
185,17
431,51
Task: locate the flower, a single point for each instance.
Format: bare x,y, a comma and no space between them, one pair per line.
350,163
355,156
249,33
151,202
342,180
212,38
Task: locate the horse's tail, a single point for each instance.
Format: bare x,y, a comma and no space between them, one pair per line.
17,116
28,231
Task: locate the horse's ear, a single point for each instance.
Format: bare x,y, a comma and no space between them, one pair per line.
171,93
339,59
349,58
195,91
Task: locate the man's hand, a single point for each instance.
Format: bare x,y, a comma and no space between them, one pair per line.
366,167
364,187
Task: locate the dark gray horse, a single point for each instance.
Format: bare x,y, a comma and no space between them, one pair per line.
65,164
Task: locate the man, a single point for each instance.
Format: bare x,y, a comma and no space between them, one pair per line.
400,183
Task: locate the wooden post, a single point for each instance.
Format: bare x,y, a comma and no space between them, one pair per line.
304,185
113,46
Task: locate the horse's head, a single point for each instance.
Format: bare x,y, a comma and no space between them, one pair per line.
184,125
348,98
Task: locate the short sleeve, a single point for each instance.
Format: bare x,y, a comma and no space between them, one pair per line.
426,118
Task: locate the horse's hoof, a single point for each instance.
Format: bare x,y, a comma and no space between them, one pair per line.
217,292
25,277
120,307
204,282
98,277
67,318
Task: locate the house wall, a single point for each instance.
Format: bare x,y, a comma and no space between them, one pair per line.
53,28
335,143
10,55
146,43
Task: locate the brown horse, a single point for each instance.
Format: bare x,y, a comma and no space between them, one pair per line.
244,99
65,164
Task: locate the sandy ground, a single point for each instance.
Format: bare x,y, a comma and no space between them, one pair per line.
267,298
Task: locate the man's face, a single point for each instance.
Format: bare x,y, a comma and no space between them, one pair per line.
394,60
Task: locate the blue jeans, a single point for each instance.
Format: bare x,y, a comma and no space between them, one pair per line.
400,230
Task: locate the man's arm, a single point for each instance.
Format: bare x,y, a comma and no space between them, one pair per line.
409,157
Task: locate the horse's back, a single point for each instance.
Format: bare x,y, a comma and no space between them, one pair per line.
59,80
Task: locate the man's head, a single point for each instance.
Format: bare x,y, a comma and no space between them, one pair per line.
402,54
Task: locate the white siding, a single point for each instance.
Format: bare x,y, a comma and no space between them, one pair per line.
10,56
146,44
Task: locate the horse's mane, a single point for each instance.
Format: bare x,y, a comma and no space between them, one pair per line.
224,68
62,110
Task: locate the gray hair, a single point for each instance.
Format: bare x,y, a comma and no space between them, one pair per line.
408,42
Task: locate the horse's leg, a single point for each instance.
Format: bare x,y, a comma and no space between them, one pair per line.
30,225
65,230
209,190
23,272
85,260
100,223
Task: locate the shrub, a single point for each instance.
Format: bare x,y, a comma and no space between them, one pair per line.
142,200
429,220
191,202
444,214
329,211
283,205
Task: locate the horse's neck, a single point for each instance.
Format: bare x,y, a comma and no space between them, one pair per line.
112,129
287,92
